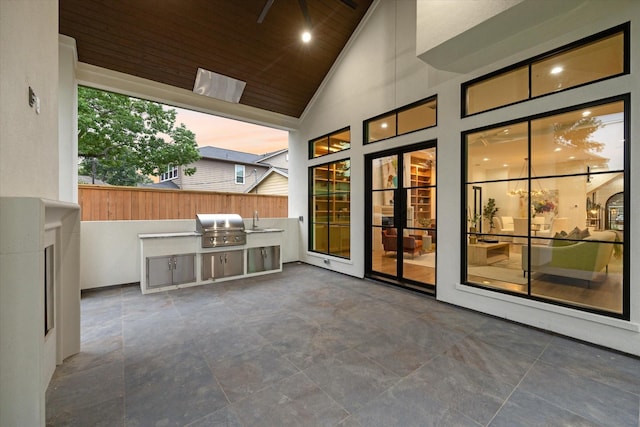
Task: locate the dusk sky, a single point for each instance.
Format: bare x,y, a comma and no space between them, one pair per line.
231,134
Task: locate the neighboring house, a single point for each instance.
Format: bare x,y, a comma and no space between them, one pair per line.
233,171
274,181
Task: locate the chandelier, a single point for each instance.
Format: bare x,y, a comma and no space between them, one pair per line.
523,191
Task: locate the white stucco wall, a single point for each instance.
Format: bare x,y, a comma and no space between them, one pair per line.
379,72
28,142
68,120
29,46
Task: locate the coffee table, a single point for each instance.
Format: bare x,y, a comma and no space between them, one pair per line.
487,253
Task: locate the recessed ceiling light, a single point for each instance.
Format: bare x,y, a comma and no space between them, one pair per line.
572,157
384,125
586,113
505,165
306,36
486,159
556,70
557,149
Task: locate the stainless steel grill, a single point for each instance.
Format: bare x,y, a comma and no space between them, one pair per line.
220,230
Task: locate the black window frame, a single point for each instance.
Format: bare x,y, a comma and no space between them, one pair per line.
365,123
328,137
626,272
623,28
311,209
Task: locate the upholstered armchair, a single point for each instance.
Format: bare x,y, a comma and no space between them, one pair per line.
410,244
389,239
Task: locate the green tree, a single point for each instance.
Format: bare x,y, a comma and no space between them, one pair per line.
122,140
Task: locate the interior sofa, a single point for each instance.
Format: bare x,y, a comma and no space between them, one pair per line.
584,259
411,244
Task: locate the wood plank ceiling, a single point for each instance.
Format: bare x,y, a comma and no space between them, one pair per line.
168,40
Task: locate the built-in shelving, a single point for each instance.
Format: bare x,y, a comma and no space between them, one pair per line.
421,191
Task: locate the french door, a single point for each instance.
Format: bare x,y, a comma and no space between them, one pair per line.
401,216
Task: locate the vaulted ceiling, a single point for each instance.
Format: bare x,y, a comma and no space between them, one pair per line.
168,40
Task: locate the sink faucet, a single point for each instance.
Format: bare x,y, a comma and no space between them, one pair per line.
255,219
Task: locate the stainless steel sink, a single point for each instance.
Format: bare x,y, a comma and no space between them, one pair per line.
262,230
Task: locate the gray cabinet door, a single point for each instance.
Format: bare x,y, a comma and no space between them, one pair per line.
263,259
184,268
233,263
272,257
159,271
222,264
255,260
212,265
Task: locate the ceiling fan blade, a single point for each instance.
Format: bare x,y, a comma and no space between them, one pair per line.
265,10
352,4
305,11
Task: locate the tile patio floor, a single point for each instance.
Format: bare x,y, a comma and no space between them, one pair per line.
309,347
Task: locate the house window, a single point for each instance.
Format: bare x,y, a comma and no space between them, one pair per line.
329,144
171,173
239,174
537,194
410,118
593,59
330,208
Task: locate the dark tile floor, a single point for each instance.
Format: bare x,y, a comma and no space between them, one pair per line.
309,347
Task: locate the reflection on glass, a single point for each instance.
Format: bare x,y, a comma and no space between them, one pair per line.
503,89
586,140
320,147
418,117
340,141
602,58
381,128
337,141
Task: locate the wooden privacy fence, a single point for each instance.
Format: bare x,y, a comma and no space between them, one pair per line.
111,203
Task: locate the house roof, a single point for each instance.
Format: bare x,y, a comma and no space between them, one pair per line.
216,153
164,184
255,41
267,156
223,154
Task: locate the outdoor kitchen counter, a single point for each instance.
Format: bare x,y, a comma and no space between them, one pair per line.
165,256
165,235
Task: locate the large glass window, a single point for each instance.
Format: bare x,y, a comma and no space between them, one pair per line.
413,117
537,205
330,208
586,61
332,143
